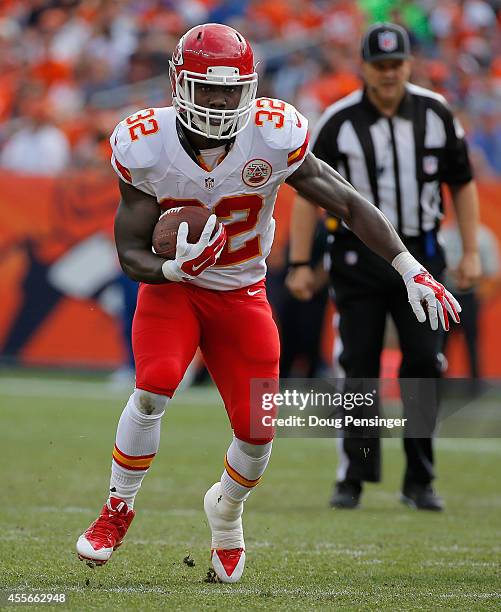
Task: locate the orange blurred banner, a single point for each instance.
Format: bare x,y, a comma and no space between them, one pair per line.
46,226
58,270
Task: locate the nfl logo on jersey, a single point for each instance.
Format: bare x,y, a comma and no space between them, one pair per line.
209,183
430,164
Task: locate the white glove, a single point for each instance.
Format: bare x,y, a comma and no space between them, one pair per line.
192,259
426,295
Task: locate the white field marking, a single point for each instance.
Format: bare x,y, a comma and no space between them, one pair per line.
215,591
65,509
22,535
103,391
465,549
341,552
320,549
261,543
184,512
488,502
442,563
461,595
345,553
352,554
369,549
218,590
366,548
183,546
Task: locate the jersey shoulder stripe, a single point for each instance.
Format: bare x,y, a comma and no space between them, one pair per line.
124,172
299,153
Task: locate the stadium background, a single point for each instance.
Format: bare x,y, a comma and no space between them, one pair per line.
78,67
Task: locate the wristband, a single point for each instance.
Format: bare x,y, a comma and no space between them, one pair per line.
171,271
404,262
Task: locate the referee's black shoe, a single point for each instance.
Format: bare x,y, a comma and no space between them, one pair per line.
346,494
421,497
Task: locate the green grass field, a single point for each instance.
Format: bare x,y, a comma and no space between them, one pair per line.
56,439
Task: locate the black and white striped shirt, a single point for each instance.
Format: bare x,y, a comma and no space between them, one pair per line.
397,163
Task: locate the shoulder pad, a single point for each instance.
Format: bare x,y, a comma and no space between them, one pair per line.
280,124
137,142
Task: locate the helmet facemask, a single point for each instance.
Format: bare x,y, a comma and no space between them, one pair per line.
226,123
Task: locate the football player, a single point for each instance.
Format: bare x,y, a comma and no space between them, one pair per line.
217,146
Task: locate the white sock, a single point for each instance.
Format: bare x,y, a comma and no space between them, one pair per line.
225,519
244,465
137,442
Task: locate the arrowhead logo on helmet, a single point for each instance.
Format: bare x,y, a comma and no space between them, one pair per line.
219,55
177,55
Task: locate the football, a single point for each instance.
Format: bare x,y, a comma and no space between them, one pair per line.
165,233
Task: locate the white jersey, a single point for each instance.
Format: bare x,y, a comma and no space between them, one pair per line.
241,189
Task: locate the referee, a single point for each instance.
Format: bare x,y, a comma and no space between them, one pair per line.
397,144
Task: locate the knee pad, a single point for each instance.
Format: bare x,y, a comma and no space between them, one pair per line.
256,451
148,403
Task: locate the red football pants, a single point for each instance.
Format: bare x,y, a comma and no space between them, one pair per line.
234,329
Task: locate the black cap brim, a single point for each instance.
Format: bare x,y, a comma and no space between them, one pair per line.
385,56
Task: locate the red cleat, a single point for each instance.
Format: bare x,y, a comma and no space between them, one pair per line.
96,545
227,544
228,564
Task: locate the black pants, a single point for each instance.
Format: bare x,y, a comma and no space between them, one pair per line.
367,289
469,328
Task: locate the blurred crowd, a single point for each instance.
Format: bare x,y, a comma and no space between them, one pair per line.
70,69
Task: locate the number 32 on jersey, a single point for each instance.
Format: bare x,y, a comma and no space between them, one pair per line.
240,214
272,110
142,123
